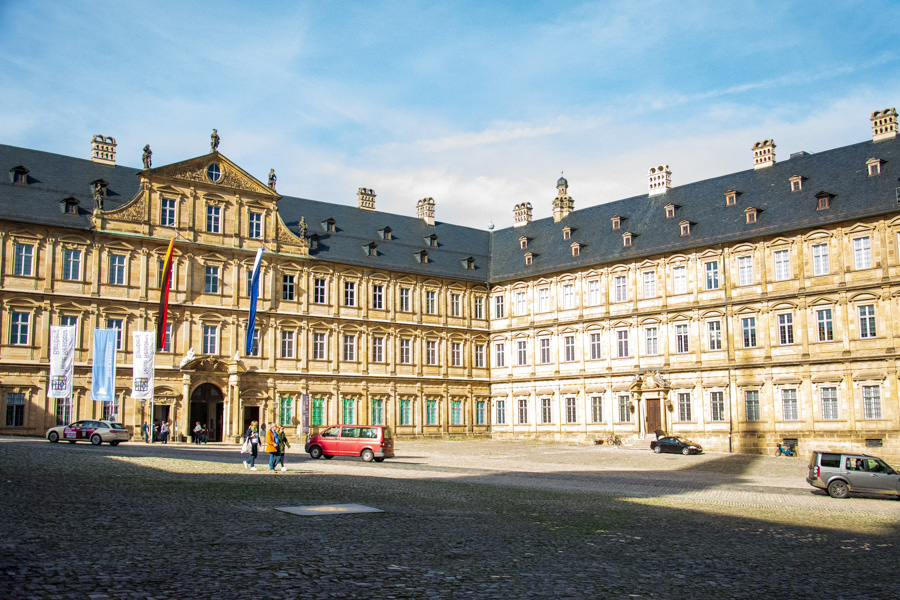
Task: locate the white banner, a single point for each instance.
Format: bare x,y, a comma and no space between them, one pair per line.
62,361
144,364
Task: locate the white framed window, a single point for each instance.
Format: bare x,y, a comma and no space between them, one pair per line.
546,411
456,354
785,329
789,407
210,339
593,292
717,406
377,296
621,285
679,280
545,350
20,325
596,346
71,264
430,302
349,347
255,225
521,353
715,334
523,411
748,330
213,219
571,410
624,408
24,261
751,404
649,284
499,354
543,300
596,409
287,287
820,259
319,347
862,253
455,305
349,293
872,401
712,275
116,269
685,414
500,407
377,349
682,343
479,307
167,212
405,296
118,325
622,343
745,270
499,311
319,293
479,356
569,348
829,399
651,341
782,265
824,325
867,321
211,279
431,352
568,296
521,304
287,344
405,351
160,271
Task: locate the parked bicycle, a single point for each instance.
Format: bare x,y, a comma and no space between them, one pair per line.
614,440
786,450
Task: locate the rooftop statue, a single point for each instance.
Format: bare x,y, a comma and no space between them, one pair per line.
214,141
146,156
272,178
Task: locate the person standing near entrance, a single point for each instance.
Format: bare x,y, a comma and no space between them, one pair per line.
272,446
252,434
145,431
198,429
283,445
164,432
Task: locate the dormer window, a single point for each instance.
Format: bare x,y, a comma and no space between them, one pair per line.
731,197
751,214
626,239
823,200
19,175
616,222
370,249
329,225
70,206
797,183
685,227
385,233
874,166
576,249
431,240
529,259
468,263
567,233
422,256
314,241
523,242
670,211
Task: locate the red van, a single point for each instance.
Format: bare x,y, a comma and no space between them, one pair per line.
371,442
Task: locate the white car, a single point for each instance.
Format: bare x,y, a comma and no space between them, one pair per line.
89,430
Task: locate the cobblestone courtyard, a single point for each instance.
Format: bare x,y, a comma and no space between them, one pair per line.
462,519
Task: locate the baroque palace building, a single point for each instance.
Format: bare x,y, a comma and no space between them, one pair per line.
741,311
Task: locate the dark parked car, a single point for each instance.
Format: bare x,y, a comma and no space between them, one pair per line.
674,443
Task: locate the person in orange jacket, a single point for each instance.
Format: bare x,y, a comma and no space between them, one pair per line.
272,447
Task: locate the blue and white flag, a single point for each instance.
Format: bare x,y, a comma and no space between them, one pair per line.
254,294
103,371
62,361
143,365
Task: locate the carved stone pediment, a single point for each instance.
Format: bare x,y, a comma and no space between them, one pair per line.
206,363
226,174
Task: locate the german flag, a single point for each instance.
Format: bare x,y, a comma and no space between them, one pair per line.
164,298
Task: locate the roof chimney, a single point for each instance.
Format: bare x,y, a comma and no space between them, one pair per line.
103,150
763,154
425,210
563,204
522,214
659,179
366,198
884,124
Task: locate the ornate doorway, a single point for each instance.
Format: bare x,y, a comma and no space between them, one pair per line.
207,407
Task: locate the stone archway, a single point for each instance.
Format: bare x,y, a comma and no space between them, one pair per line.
208,408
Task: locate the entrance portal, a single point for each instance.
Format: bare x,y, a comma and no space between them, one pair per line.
251,413
207,407
654,416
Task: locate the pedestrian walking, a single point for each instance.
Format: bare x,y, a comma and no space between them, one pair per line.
164,432
198,431
272,446
145,431
252,434
283,445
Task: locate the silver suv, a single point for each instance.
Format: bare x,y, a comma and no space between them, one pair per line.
841,473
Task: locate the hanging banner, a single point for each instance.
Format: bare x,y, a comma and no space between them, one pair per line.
254,294
62,361
304,413
103,370
144,365
164,283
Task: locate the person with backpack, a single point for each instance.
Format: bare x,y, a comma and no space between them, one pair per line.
283,445
252,435
272,438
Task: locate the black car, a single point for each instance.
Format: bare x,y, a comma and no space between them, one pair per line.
674,443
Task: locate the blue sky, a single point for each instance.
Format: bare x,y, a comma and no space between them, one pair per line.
479,105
